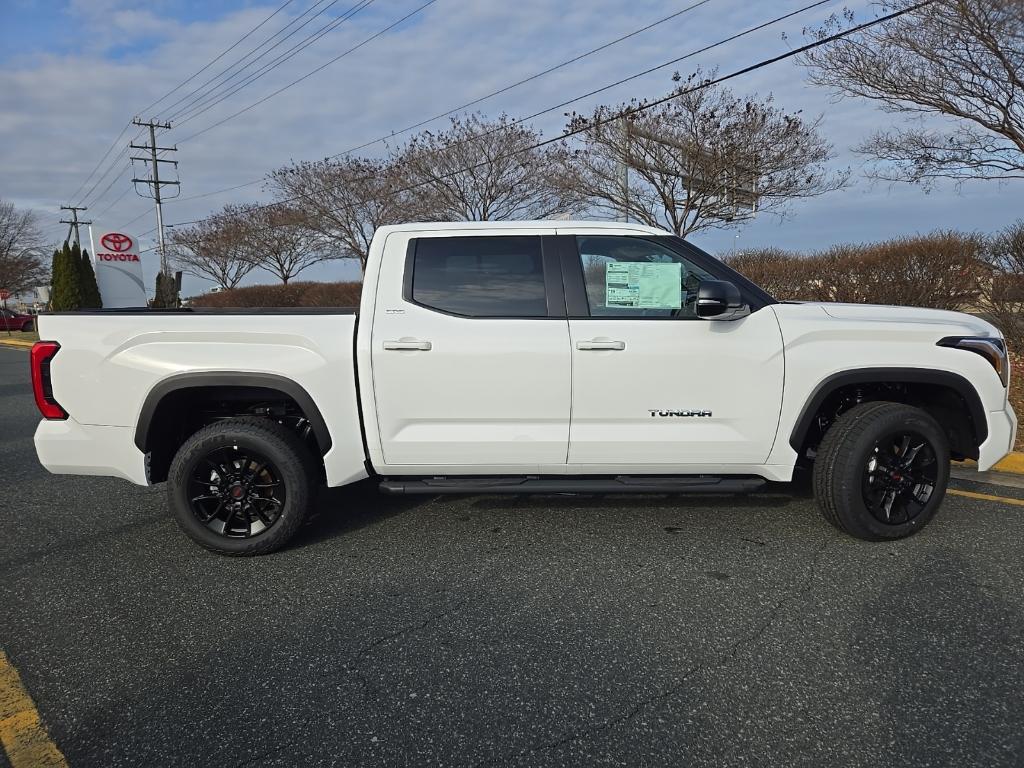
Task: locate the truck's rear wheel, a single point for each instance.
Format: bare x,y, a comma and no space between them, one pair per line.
241,486
881,471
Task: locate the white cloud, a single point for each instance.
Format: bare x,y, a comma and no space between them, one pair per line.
59,112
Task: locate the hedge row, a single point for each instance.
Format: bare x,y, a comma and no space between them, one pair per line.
302,294
942,270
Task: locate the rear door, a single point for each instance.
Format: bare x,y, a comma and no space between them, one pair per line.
470,352
653,384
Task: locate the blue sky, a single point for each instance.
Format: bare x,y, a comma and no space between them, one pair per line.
72,74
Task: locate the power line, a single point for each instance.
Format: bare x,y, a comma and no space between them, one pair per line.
113,181
219,56
117,200
313,72
197,94
105,154
128,224
480,99
561,105
124,150
209,102
647,105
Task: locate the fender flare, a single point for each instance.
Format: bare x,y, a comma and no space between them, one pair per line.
231,379
947,379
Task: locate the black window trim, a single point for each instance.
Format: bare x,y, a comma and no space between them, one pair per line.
554,293
578,306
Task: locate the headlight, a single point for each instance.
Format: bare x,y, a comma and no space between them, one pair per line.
993,350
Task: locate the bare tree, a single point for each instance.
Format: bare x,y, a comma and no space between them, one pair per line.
22,249
345,200
706,158
480,170
276,238
214,248
1003,291
962,59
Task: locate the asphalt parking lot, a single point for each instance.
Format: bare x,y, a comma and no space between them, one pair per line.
507,631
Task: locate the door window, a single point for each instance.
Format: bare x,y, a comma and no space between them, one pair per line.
480,276
633,277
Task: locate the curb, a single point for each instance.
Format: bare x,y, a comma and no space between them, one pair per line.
1013,464
19,344
1004,486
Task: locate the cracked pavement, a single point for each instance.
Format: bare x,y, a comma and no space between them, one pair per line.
514,631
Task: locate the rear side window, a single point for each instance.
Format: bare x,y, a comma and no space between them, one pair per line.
480,276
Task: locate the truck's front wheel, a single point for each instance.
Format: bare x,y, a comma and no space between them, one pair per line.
881,471
241,486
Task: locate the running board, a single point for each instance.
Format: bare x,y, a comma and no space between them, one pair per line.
620,484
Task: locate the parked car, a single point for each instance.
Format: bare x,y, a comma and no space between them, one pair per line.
525,357
13,321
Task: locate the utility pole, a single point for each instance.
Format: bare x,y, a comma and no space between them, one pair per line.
154,181
73,222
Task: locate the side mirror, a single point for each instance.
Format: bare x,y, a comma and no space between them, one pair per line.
720,300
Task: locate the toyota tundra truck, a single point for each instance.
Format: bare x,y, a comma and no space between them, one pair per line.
528,357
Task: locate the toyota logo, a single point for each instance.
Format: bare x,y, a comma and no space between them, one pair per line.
115,241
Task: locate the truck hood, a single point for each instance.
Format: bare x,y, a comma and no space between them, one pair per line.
880,317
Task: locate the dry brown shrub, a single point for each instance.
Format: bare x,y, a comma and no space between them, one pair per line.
301,294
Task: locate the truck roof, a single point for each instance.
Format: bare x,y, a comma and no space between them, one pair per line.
565,227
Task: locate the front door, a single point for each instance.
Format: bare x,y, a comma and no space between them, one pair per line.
653,384
471,367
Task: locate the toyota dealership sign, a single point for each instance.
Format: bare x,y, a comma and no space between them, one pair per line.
119,270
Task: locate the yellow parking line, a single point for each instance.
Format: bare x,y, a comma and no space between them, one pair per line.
987,497
22,734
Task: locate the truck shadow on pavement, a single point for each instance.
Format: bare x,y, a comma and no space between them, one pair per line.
341,510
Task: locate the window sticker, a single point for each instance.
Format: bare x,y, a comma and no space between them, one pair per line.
643,285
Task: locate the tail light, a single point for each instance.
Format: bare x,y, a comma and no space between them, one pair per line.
42,353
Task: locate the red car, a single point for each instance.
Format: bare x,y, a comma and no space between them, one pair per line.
12,321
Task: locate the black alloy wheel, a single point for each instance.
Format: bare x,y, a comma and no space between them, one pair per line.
900,477
881,471
242,486
239,493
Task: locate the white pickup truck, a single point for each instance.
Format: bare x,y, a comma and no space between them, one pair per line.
524,357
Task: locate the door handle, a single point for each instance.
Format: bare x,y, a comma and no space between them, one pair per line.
421,345
600,345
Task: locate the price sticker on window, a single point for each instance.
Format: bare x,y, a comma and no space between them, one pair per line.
643,285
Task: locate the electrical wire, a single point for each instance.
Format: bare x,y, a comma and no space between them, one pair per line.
480,99
244,62
113,161
563,104
209,102
219,56
295,82
646,105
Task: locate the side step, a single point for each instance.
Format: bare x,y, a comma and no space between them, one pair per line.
563,484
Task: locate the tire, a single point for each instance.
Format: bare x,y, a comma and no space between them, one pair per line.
241,486
26,327
881,471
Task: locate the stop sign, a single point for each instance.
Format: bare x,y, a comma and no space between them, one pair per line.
4,295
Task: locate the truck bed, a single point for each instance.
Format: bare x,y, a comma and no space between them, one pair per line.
111,360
